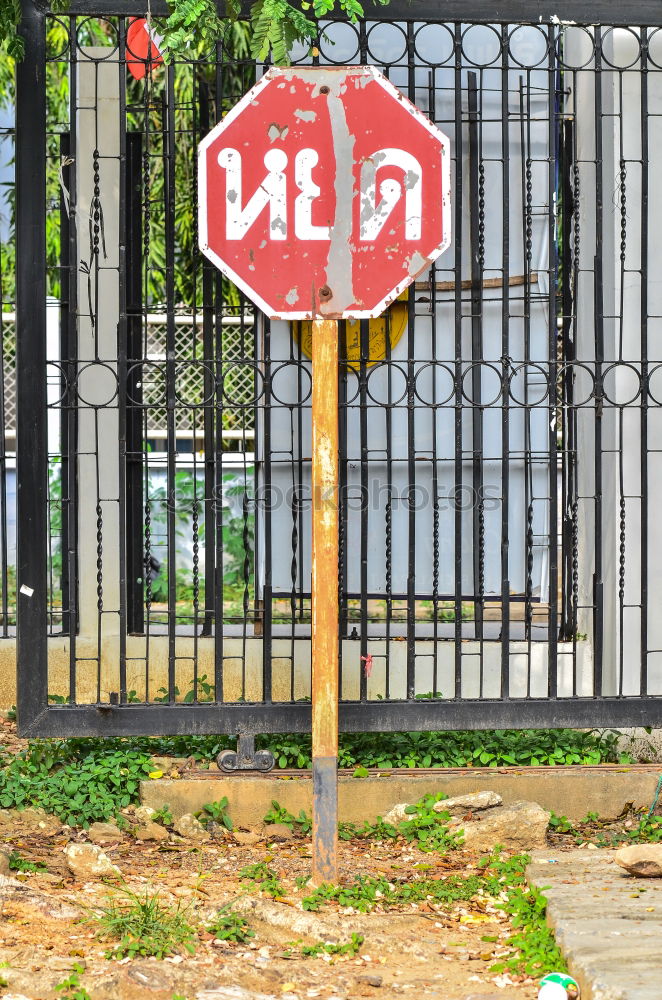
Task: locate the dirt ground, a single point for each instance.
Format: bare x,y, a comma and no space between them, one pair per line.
417,951
420,951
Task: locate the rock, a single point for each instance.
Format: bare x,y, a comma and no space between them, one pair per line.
371,980
461,804
151,831
14,892
190,827
87,861
397,814
277,832
518,826
104,834
218,831
143,814
457,806
34,819
300,923
246,837
4,863
643,860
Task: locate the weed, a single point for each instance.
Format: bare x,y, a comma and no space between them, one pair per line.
424,826
351,947
366,893
561,824
163,816
230,926
143,925
19,864
215,812
264,878
278,814
428,827
70,987
647,831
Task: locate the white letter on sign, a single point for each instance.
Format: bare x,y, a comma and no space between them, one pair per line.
304,162
373,215
272,192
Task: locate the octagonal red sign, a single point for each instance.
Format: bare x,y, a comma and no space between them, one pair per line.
324,193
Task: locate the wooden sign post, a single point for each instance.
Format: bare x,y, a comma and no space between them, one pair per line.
325,599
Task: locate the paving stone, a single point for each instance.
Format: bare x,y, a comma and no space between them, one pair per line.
607,923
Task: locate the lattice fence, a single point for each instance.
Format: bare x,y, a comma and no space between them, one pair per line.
9,371
237,373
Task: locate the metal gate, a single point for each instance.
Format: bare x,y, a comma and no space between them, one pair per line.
499,551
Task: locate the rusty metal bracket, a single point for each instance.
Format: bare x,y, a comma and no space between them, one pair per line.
245,757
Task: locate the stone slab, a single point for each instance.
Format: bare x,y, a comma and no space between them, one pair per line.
607,923
568,791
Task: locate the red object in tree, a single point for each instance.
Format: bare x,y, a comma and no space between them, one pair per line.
324,192
142,47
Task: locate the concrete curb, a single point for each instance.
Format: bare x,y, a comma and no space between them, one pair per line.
568,791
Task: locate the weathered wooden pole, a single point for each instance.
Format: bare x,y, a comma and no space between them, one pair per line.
325,599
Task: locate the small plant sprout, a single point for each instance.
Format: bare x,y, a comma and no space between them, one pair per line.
70,988
230,926
215,812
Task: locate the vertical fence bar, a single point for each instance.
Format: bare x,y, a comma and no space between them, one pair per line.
505,365
643,305
134,502
32,446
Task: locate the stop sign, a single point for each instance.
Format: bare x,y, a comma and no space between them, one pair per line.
323,193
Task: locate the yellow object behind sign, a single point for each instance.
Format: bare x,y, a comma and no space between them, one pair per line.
395,320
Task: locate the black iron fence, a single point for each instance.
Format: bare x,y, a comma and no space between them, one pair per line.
498,550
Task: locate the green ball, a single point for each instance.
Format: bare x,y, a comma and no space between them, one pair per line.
563,979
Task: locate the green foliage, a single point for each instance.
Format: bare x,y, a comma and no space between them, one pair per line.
80,781
561,824
276,26
163,816
428,828
215,812
462,748
264,878
70,987
302,823
230,926
351,947
365,893
19,864
534,949
144,926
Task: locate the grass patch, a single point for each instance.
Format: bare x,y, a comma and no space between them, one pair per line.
144,926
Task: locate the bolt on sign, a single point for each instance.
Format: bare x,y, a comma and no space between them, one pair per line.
323,193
